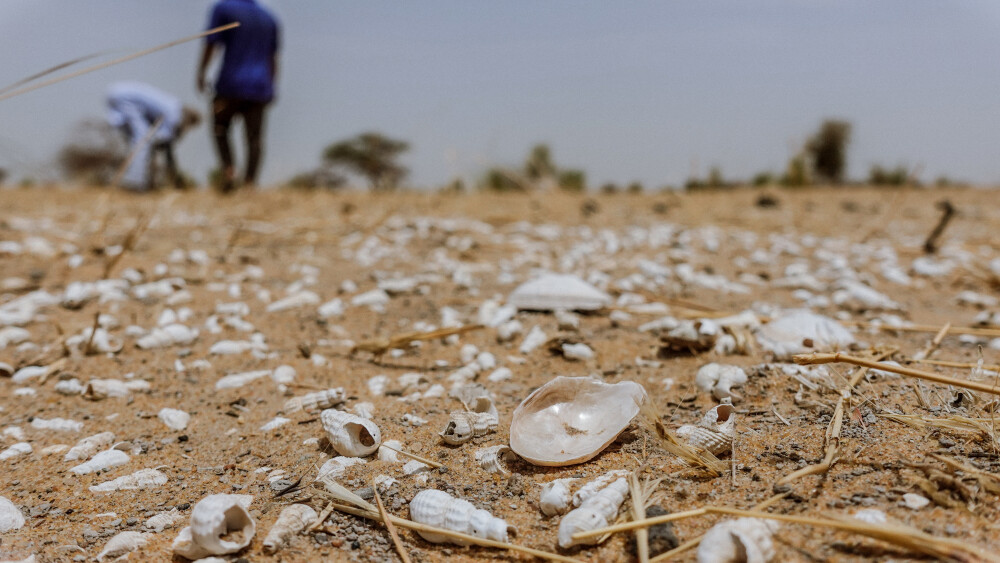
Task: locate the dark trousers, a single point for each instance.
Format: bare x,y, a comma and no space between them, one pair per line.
252,113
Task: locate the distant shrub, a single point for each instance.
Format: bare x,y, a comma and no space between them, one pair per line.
898,176
503,180
828,150
316,179
572,180
371,155
634,188
609,188
762,179
539,163
797,172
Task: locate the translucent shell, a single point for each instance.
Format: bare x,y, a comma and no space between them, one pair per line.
715,432
351,435
463,426
572,419
441,510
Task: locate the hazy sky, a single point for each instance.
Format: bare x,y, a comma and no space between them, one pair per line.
638,90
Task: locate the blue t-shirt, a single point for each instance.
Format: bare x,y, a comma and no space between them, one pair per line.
246,71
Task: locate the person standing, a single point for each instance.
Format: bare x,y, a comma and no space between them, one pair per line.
245,84
136,109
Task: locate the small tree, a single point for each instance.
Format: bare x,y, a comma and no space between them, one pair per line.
371,155
879,176
828,149
797,172
539,163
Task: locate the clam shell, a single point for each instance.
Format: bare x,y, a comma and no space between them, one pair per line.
572,419
441,510
552,292
744,540
292,520
350,435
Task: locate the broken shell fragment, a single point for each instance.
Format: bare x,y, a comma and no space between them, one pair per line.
10,516
596,512
175,419
494,459
801,331
715,432
552,292
292,520
220,524
317,401
744,540
572,419
123,544
719,378
89,446
159,522
142,479
102,461
350,435
441,510
463,426
556,497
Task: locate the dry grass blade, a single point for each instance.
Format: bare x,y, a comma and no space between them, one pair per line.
423,460
127,245
388,526
951,364
100,66
339,493
812,359
954,331
695,457
952,422
381,346
641,494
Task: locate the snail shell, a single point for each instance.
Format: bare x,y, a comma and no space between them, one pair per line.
335,467
163,520
142,479
317,401
292,520
215,517
350,434
556,497
744,540
596,512
463,426
439,509
494,459
715,432
122,544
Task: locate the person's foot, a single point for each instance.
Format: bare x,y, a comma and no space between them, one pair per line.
228,183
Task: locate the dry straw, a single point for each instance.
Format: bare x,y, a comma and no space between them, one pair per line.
812,359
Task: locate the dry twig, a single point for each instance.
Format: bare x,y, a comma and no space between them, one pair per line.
388,526
381,346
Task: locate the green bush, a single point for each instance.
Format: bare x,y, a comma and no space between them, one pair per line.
828,149
572,180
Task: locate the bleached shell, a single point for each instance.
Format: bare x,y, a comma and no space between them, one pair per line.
441,510
744,540
551,292
170,335
12,335
276,422
572,419
715,432
57,424
719,379
364,410
535,338
600,483
337,466
103,460
102,342
175,419
385,453
123,543
292,520
15,450
300,299
142,479
785,336
556,497
163,520
350,434
283,375
98,389
216,516
316,401
10,516
90,446
494,459
598,511
463,426
235,380
6,370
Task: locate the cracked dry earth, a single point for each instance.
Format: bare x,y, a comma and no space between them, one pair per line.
402,263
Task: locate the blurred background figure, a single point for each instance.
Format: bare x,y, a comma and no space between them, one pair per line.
152,121
245,83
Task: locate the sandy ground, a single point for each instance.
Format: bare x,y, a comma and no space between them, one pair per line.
318,241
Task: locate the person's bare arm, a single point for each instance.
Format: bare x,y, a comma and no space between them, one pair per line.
206,57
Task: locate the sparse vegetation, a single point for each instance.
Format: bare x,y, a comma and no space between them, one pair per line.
898,176
573,180
370,155
828,150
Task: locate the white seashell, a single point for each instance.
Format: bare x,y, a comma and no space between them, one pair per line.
90,446
413,420
572,419
122,544
364,410
509,330
535,338
350,434
98,389
54,449
213,518
29,372
871,516
170,335
316,401
6,370
14,432
387,454
494,459
103,342
15,450
337,466
441,510
13,335
10,516
375,300
57,424
25,392
786,335
567,320
276,422
468,353
333,308
744,540
235,380
719,378
577,351
413,467
70,387
377,384
292,520
283,375
486,360
593,487
383,483
555,497
715,432
175,419
597,511
914,501
294,301
463,426
103,460
142,479
500,374
163,520
552,292
231,347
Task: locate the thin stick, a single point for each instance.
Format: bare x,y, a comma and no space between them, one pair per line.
89,348
955,330
388,526
126,58
423,460
127,245
933,345
135,150
950,364
638,513
812,359
323,515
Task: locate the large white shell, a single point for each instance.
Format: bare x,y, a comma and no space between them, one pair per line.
142,479
551,292
292,520
90,446
719,379
316,401
785,336
103,460
10,516
572,419
439,509
715,432
598,511
463,426
121,544
494,459
214,518
744,540
350,434
175,419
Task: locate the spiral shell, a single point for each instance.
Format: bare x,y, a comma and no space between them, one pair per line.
596,512
439,509
317,401
715,432
292,520
215,517
350,434
159,522
744,540
556,497
494,459
463,426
